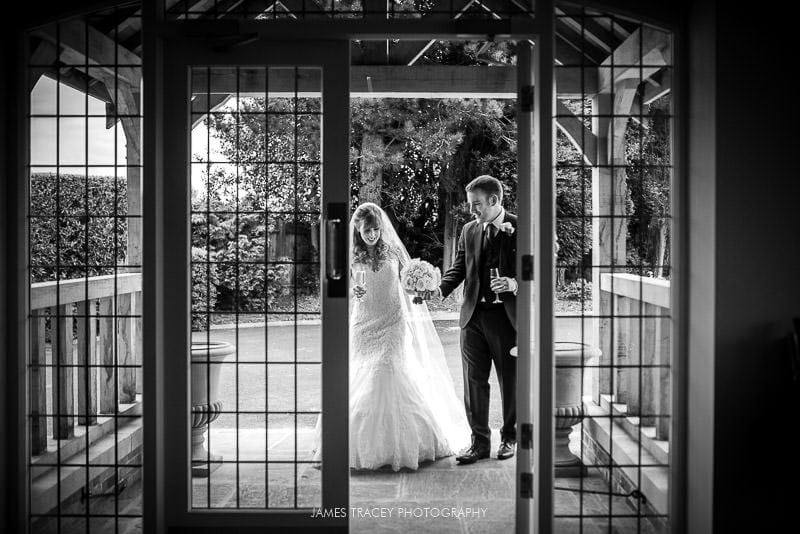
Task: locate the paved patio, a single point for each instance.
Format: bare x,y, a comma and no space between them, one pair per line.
478,498
438,497
481,496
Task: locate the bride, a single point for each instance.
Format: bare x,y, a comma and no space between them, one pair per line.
403,406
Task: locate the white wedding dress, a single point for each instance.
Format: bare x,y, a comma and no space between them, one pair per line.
403,405
390,420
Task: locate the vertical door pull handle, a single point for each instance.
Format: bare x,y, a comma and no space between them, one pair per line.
334,259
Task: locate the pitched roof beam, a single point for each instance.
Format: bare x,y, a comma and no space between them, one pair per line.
642,54
102,52
581,137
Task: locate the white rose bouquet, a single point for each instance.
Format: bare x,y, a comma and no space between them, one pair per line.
421,278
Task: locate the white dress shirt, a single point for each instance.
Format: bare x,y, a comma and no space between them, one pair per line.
497,222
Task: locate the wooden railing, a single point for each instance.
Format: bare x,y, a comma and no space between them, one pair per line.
85,349
640,339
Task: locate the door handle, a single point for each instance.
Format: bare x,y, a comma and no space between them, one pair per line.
333,264
336,249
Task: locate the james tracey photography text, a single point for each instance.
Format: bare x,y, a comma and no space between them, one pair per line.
401,512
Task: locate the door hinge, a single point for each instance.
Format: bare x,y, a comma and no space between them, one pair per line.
527,267
526,98
526,436
526,485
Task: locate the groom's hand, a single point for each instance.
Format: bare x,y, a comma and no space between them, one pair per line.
503,284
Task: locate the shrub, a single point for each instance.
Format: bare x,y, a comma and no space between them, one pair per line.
578,290
204,288
246,284
85,238
279,281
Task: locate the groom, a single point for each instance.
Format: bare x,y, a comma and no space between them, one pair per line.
488,330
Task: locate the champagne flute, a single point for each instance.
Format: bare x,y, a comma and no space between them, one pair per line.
494,272
360,279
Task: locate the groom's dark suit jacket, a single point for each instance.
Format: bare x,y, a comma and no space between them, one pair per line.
466,268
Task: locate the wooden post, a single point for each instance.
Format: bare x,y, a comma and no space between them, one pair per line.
108,377
136,339
609,190
663,390
601,252
649,357
38,383
63,405
125,350
622,337
132,129
634,348
87,373
126,98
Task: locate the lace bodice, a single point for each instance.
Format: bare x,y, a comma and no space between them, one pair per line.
377,321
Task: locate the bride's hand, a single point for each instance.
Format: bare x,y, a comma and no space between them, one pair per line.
359,291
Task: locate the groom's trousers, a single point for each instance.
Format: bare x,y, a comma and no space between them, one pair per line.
488,338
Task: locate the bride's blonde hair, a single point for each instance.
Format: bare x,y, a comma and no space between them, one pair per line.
370,214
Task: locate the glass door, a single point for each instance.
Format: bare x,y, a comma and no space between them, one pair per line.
255,373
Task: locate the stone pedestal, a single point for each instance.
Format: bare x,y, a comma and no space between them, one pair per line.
206,404
569,357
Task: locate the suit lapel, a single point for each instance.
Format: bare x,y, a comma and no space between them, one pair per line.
477,241
502,239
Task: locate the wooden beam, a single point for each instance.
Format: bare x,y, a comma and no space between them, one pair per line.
567,54
589,31
579,43
80,82
408,52
433,81
48,294
310,9
657,86
615,27
375,52
577,132
73,38
640,56
222,8
653,89
391,81
212,104
42,57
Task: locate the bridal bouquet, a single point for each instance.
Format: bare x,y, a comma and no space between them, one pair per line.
421,278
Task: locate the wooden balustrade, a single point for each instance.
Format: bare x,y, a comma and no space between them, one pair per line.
641,344
76,327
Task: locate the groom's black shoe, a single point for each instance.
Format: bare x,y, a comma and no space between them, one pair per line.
506,450
472,455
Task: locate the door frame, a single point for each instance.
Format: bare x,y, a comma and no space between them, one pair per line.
14,160
333,57
165,264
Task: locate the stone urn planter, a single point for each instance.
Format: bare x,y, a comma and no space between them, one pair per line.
206,404
569,357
